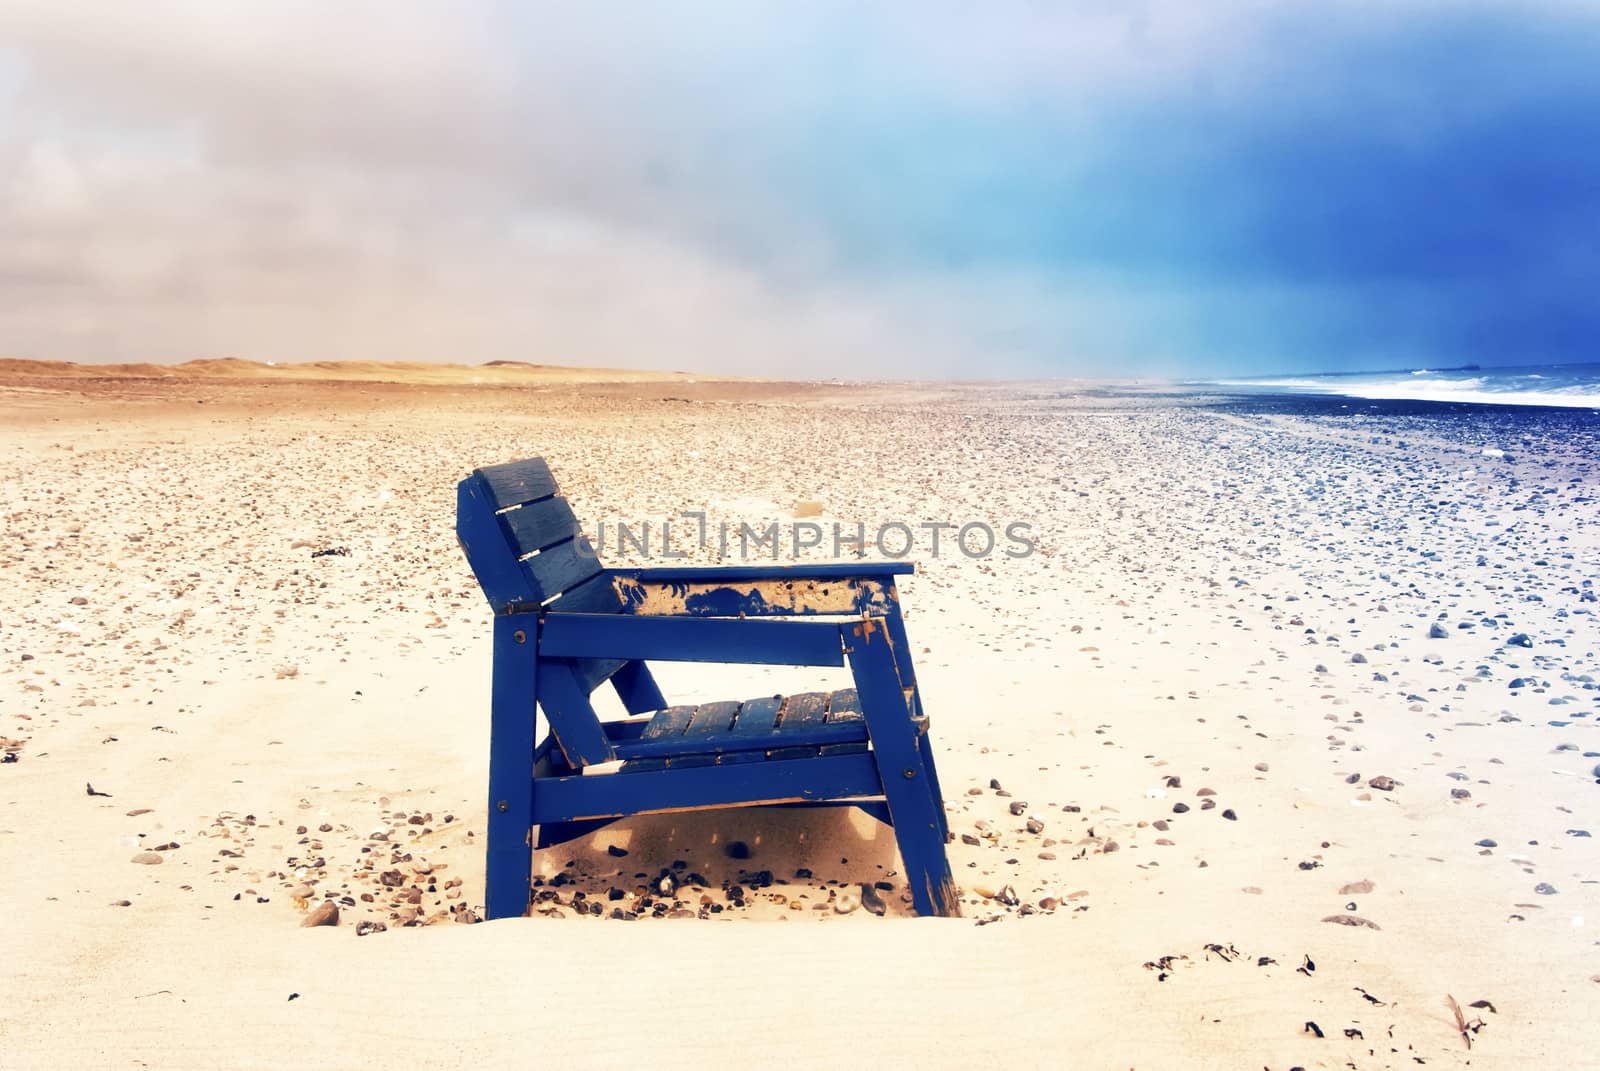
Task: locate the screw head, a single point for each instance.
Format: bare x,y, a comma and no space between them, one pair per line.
502,806
520,636
909,773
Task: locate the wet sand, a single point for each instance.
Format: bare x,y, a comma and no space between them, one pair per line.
1288,720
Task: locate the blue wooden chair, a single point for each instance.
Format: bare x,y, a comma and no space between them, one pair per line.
564,625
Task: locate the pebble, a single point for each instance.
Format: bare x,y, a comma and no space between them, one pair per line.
1019,808
1460,794
872,901
149,858
1486,842
1229,815
845,904
1357,888
1352,920
1261,767
1180,808
1035,826
1383,783
366,926
1437,631
324,914
1544,888
301,892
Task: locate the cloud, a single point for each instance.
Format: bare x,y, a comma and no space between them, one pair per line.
897,190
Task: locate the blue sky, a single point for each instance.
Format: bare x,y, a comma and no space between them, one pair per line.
934,189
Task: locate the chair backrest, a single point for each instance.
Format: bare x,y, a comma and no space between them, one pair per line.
524,544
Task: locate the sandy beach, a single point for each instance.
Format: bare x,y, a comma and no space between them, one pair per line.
1281,739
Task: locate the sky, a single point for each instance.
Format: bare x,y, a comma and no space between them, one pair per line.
928,189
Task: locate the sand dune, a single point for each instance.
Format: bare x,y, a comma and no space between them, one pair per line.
235,368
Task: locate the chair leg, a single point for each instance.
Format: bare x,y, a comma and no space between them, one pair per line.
636,687
908,679
508,868
916,809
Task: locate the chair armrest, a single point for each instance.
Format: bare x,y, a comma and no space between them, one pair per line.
755,591
710,574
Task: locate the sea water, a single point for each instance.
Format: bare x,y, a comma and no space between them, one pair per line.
1574,386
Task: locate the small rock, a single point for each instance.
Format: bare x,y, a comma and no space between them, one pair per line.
1352,920
1008,896
1261,767
1520,639
366,926
872,901
1460,794
1229,815
1180,808
1019,808
149,858
845,904
1035,826
1437,631
1357,888
1487,842
1544,888
301,892
1383,783
325,914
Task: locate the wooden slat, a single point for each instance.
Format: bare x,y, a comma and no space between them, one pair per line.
844,705
540,524
691,639
807,737
711,721
669,724
491,556
712,718
597,595
563,566
517,482
758,717
804,710
757,720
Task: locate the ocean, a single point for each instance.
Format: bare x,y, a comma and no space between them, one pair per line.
1571,386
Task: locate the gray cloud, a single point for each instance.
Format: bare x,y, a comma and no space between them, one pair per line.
672,186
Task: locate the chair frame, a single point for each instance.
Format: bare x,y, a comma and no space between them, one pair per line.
551,657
